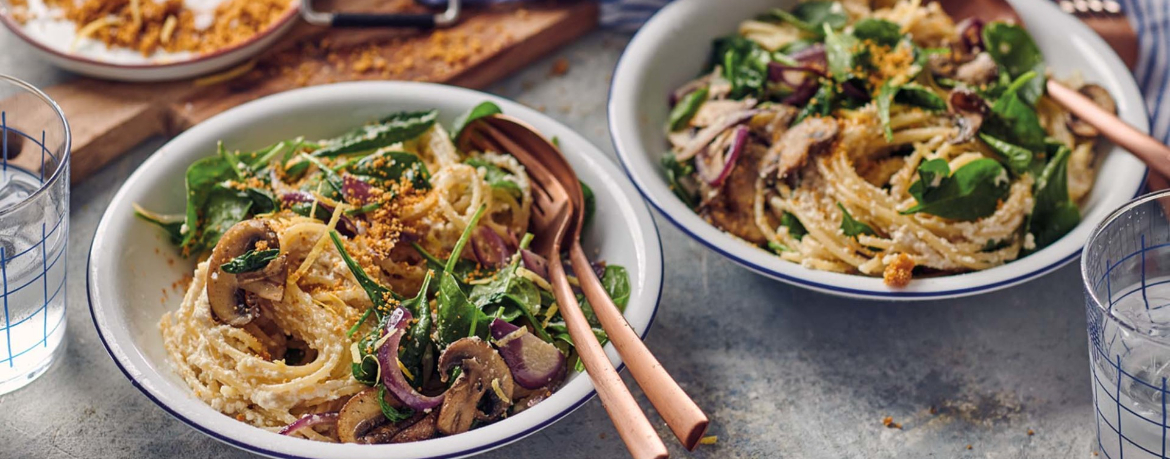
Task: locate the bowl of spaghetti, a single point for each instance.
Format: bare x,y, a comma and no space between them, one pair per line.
338,280
146,40
876,150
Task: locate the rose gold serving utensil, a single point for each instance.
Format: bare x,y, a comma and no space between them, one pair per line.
678,410
1155,154
552,217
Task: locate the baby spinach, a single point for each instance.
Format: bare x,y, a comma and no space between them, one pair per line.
884,100
263,201
821,104
795,228
392,414
224,207
812,16
1013,120
844,54
202,176
1017,54
686,108
484,108
392,129
617,284
1017,158
457,316
330,177
172,225
413,348
853,228
676,171
911,94
971,193
249,261
744,64
879,31
1054,213
496,176
590,203
379,295
777,248
385,166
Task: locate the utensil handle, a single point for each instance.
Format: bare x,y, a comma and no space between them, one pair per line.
640,437
421,21
684,417
1155,154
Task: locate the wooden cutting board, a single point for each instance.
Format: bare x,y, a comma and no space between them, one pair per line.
109,118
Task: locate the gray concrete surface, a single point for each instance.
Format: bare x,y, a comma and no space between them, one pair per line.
782,372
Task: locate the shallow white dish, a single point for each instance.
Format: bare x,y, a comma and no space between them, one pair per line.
672,48
128,262
175,70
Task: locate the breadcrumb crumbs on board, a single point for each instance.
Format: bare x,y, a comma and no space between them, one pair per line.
1031,432
970,447
888,421
709,440
899,272
559,67
150,26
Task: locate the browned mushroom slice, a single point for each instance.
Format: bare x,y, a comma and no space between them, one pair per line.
969,110
229,303
791,152
267,283
979,71
361,420
424,429
484,373
1100,97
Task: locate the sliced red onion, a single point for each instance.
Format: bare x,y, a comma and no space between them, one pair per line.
814,55
803,93
309,421
688,88
356,189
293,197
971,34
598,268
489,248
708,134
852,90
535,263
534,363
714,166
392,376
792,75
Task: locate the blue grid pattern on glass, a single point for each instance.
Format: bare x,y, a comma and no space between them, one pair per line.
9,255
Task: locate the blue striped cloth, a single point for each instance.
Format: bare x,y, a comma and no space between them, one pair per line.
1150,18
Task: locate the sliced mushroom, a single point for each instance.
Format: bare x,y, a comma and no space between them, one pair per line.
969,110
267,283
229,302
361,419
424,429
979,71
811,136
1100,97
484,373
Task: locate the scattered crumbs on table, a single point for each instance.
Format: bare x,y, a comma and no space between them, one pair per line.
969,447
933,409
1031,432
559,67
888,421
601,436
709,440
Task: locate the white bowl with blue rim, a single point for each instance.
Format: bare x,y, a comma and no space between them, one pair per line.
673,47
131,263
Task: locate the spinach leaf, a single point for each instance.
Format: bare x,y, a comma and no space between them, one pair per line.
496,176
777,248
386,166
330,177
510,296
249,261
813,16
263,201
224,207
392,129
686,108
744,64
201,178
411,353
971,193
484,108
844,54
911,94
1054,214
1017,158
457,316
676,171
879,31
795,228
1013,120
821,104
884,100
617,284
1017,54
853,228
391,413
590,203
379,295
365,372
172,225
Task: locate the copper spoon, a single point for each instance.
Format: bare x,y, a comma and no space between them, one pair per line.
1155,154
552,217
684,417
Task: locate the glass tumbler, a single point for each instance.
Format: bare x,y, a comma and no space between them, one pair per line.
34,230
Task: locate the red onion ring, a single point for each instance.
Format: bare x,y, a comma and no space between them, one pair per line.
714,167
489,248
534,263
392,376
814,55
709,133
533,362
356,189
309,421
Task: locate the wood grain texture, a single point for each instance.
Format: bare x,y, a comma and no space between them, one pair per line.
109,118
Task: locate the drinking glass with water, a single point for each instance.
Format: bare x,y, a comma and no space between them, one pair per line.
34,229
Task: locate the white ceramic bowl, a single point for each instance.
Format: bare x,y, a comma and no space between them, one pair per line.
174,70
672,48
128,262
